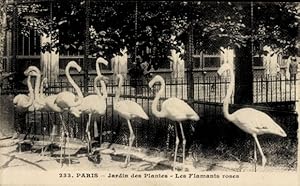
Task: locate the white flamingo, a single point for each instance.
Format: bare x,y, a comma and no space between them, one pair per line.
67,101
36,106
249,120
95,104
22,101
49,106
128,110
174,109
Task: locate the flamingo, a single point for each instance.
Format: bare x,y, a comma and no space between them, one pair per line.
128,110
95,104
36,106
38,93
22,101
48,105
249,120
66,101
174,109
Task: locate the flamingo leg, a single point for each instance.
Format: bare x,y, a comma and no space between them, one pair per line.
176,146
52,137
61,139
183,143
96,134
100,135
255,157
131,139
264,160
87,130
64,131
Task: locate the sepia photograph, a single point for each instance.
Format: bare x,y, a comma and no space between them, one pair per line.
107,92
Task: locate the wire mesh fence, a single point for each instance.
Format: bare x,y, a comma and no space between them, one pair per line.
159,133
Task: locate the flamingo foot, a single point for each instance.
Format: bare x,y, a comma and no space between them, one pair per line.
125,164
264,161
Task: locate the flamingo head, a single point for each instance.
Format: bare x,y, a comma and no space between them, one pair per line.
102,60
223,68
31,69
74,65
156,78
103,78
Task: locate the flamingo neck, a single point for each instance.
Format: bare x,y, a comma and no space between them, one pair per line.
42,87
98,68
72,82
118,93
37,85
31,91
41,94
103,87
229,92
154,106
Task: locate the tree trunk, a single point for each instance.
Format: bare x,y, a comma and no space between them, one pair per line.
2,33
243,75
190,77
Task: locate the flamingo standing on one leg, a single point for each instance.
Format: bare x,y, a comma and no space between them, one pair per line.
128,110
95,104
174,109
67,101
249,120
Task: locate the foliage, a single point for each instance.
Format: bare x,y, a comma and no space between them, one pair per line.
2,27
162,25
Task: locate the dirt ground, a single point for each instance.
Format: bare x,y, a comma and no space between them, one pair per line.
111,158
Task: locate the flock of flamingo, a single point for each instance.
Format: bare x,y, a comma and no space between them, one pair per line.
249,120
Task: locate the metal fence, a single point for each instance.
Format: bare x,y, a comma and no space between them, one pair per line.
158,133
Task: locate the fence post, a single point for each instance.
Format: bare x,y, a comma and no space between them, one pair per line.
14,44
190,77
86,47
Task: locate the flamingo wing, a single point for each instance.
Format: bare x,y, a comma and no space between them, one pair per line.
256,122
22,101
66,100
130,109
50,105
93,104
179,110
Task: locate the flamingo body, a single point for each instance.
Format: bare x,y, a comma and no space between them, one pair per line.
50,103
129,110
66,100
177,110
21,101
93,104
259,124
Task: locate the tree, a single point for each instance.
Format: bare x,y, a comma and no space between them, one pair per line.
244,27
2,30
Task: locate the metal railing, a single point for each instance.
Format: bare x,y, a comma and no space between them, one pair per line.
159,133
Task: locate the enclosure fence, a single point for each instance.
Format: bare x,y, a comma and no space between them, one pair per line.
159,133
